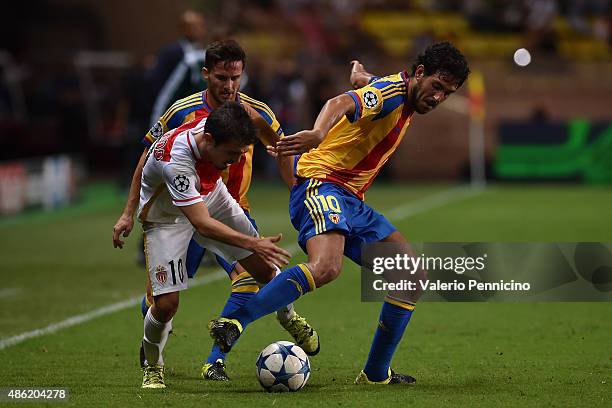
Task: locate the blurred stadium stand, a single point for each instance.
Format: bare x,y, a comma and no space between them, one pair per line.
71,70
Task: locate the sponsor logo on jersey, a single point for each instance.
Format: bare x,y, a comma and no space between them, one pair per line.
181,183
333,217
370,99
161,274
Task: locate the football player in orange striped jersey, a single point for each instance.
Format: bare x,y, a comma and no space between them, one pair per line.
353,136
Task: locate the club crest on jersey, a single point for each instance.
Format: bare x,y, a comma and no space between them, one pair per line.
157,130
160,274
370,99
181,183
333,217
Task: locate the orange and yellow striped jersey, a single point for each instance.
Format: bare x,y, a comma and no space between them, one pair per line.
238,176
356,148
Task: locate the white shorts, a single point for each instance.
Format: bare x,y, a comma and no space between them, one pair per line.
166,243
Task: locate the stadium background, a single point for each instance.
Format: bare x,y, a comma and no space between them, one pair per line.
70,114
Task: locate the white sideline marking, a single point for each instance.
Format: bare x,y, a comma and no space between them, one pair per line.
431,202
407,210
82,318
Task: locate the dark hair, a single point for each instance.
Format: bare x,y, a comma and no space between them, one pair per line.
224,51
445,59
231,123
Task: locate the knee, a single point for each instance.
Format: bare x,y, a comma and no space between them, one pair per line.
165,306
325,271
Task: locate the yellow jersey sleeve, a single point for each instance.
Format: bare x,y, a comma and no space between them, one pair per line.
368,102
378,98
177,114
265,111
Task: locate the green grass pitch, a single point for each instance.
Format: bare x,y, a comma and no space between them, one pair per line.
463,354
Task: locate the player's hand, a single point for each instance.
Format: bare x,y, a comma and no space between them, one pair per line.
299,143
272,255
124,226
271,150
359,76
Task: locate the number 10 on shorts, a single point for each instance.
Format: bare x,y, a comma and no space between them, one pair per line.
328,203
173,270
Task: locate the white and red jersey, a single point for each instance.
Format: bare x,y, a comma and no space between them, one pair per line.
175,175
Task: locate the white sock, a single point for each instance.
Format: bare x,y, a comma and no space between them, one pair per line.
284,314
155,338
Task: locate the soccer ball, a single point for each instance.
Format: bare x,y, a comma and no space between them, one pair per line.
283,366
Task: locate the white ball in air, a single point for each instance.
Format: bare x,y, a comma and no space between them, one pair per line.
522,57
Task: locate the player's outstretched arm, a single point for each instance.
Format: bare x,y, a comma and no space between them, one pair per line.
331,113
209,227
125,223
359,76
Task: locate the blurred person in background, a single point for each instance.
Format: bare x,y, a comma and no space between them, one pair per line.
176,73
540,15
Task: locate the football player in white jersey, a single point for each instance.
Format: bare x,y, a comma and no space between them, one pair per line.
182,194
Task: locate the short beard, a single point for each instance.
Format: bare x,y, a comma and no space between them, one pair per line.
414,98
422,112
